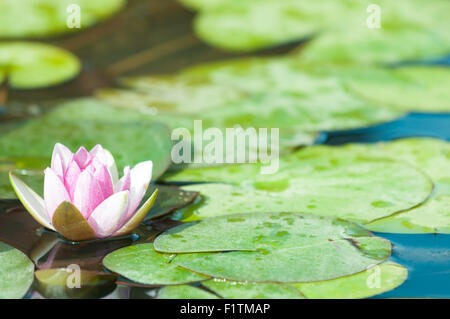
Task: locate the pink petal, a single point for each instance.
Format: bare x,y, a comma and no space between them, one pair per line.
82,157
60,159
140,177
88,194
106,158
103,177
106,217
71,177
54,192
124,183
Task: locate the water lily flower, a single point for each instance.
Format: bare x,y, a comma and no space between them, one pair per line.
83,197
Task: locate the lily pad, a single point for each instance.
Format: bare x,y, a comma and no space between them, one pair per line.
169,199
342,28
371,282
143,265
417,88
250,290
364,45
62,284
318,180
129,142
184,292
432,156
273,247
40,18
180,95
29,65
16,273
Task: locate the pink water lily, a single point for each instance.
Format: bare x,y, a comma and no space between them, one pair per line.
83,197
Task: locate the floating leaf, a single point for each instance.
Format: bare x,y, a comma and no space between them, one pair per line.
418,88
250,290
184,292
16,272
62,283
142,264
149,140
320,180
179,95
273,247
169,199
29,65
40,18
371,282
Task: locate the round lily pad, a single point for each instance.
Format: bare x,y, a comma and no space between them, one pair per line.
29,65
368,283
184,292
143,265
273,247
129,142
41,18
171,94
432,156
319,180
416,88
16,272
250,290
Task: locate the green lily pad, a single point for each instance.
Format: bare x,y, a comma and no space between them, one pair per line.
252,25
29,65
417,88
184,292
40,18
53,283
363,45
319,180
340,26
376,280
180,95
260,93
143,265
433,216
371,282
16,273
273,247
129,142
250,290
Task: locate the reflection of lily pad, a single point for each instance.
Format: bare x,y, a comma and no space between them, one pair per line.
142,264
29,65
184,292
62,283
16,272
374,281
319,180
38,18
273,247
129,142
365,45
432,156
